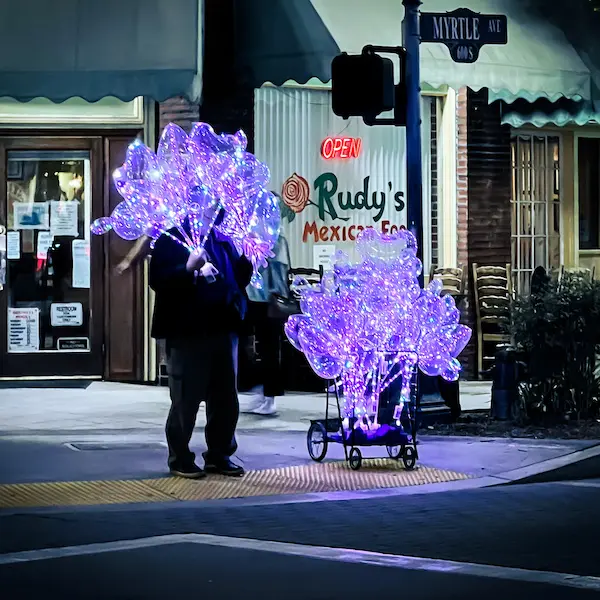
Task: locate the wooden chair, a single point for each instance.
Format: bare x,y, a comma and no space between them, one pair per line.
454,280
493,290
311,275
298,374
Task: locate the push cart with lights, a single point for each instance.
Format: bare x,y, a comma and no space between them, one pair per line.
396,430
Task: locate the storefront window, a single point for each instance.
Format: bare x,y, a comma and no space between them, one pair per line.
337,178
48,251
535,202
589,193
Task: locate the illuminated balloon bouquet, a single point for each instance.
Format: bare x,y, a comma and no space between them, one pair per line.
369,324
366,324
196,178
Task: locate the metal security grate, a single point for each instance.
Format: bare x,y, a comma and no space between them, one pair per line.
313,478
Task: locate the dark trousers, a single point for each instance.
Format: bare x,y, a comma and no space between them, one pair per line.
202,370
268,334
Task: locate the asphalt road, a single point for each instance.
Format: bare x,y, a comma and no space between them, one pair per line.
225,573
538,528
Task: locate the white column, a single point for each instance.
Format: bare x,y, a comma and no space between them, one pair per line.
447,212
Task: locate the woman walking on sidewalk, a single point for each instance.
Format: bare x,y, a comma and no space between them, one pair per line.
268,331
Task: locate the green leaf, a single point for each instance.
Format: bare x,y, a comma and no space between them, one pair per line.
287,212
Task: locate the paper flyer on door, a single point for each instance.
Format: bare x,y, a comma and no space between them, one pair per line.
31,215
64,218
13,245
81,264
23,329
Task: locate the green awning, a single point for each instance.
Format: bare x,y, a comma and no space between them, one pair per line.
59,49
542,112
537,62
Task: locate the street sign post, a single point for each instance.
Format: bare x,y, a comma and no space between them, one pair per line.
414,161
362,85
464,32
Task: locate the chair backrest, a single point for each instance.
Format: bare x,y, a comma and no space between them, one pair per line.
579,271
453,279
493,291
311,275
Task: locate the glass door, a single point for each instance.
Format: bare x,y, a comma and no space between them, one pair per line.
52,325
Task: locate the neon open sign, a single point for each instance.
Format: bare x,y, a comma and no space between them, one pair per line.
340,147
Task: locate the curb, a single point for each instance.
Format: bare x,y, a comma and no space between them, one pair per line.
577,465
574,466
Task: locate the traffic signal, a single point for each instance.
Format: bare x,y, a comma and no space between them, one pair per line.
362,85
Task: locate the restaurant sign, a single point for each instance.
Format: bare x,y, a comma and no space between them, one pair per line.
336,205
464,32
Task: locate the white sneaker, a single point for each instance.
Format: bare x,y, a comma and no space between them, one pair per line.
256,401
267,408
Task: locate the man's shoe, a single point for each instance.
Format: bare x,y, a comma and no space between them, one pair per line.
192,471
224,467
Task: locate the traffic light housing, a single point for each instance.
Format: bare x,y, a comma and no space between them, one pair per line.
362,85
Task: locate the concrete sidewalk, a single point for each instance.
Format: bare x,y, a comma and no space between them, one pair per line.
115,431
105,407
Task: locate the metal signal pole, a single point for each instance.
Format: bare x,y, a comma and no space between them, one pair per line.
414,163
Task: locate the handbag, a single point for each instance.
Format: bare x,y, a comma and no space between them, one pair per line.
282,302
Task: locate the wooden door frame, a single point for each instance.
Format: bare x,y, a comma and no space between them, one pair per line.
591,256
83,365
110,278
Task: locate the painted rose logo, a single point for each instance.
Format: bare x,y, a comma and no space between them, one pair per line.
295,193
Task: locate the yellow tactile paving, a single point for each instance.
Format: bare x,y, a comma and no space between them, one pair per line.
312,478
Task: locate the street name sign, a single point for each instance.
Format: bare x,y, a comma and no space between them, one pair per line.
464,32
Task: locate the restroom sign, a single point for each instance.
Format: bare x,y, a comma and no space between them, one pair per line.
66,314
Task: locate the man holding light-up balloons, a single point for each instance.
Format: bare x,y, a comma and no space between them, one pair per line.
204,202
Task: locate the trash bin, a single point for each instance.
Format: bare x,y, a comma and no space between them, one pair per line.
505,382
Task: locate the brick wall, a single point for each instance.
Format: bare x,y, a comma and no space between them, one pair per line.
468,357
483,196
462,179
228,101
489,174
179,111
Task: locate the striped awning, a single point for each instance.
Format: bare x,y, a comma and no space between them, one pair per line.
537,62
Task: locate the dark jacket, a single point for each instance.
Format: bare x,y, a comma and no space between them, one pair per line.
188,307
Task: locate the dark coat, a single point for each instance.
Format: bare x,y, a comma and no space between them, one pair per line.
189,307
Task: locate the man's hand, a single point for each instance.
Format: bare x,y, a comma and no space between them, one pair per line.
209,271
196,259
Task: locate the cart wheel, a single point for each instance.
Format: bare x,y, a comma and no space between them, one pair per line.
409,458
355,459
394,452
316,441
